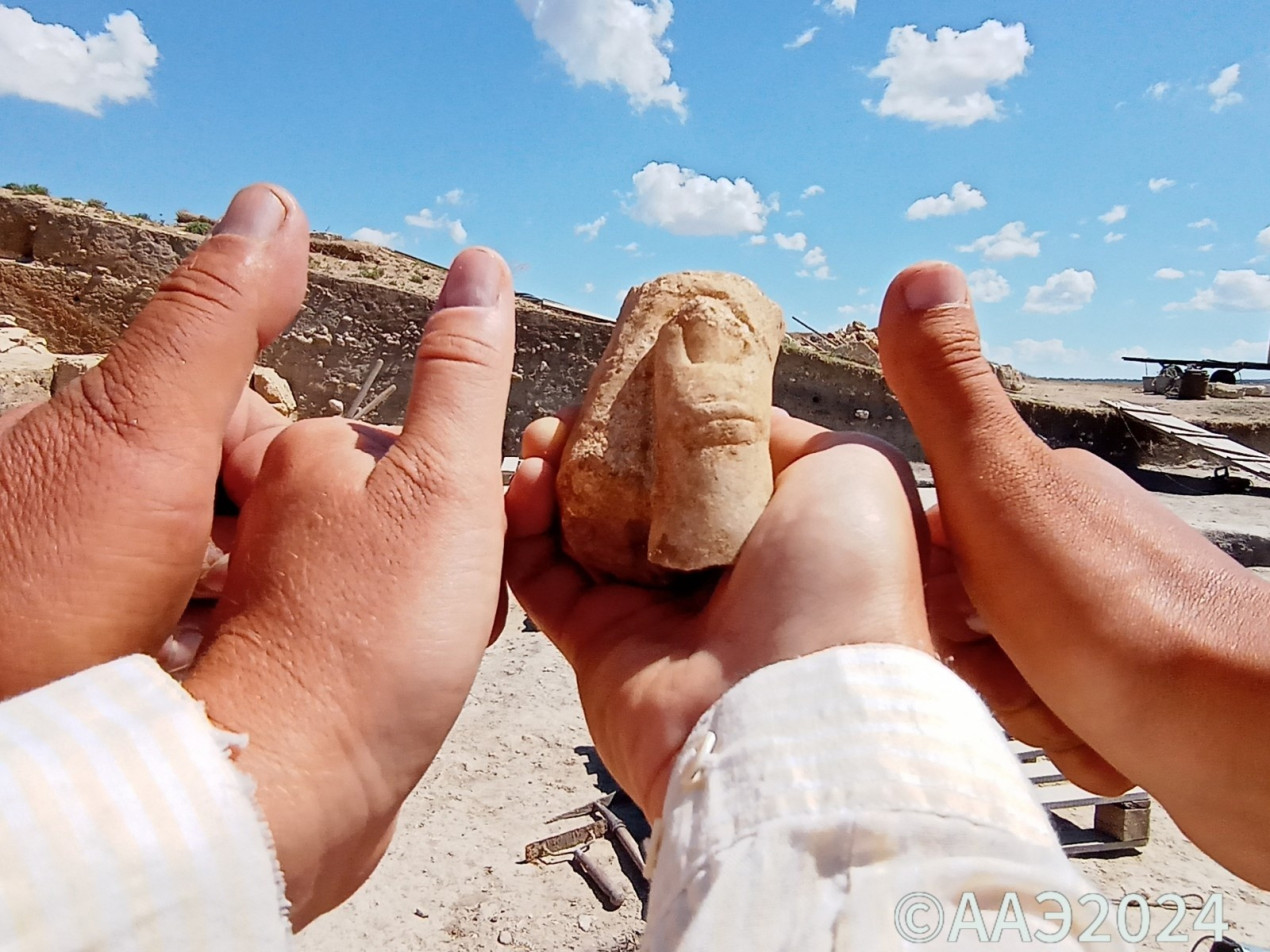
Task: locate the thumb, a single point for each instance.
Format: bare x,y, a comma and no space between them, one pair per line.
932,358
458,399
179,368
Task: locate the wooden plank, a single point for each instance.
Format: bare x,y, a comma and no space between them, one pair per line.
1024,751
1214,444
1058,796
1041,771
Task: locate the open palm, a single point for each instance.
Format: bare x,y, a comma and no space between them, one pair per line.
833,560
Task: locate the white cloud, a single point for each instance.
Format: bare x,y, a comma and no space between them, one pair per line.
588,288
795,213
1230,291
811,191
1157,90
1117,213
1047,351
1203,223
758,239
1067,291
1205,248
630,249
591,229
612,41
815,265
802,39
385,239
427,220
1170,274
1252,351
987,286
1222,89
685,203
945,82
838,6
963,199
453,197
1112,237
794,242
1263,238
1012,241
1137,350
48,62
1160,184
820,274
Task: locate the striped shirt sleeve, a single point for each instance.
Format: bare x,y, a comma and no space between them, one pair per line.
821,797
124,824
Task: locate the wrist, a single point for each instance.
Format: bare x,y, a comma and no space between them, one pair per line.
317,786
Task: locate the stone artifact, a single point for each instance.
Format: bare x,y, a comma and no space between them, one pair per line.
667,468
1010,378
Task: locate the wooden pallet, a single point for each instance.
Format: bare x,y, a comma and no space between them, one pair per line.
1119,823
1222,448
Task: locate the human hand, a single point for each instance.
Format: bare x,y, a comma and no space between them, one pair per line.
252,427
106,490
363,588
1114,624
833,560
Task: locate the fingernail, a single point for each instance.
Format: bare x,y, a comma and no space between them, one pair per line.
475,280
976,624
935,287
256,212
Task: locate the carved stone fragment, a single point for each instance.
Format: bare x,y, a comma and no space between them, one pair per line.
667,468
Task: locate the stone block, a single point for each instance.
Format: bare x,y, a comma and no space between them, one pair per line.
1127,822
69,367
277,392
858,352
26,376
1225,391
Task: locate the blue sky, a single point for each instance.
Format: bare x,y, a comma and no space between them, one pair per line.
1102,169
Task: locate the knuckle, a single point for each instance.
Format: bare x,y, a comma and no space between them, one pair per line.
107,404
197,289
294,450
447,344
414,476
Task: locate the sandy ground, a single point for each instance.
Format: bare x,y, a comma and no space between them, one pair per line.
519,754
452,879
1091,393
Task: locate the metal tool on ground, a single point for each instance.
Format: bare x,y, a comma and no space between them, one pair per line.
611,894
604,822
617,827
565,842
601,810
577,842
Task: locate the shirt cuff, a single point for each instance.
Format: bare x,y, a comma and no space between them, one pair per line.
833,739
124,820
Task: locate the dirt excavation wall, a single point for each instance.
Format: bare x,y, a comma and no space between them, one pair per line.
76,276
